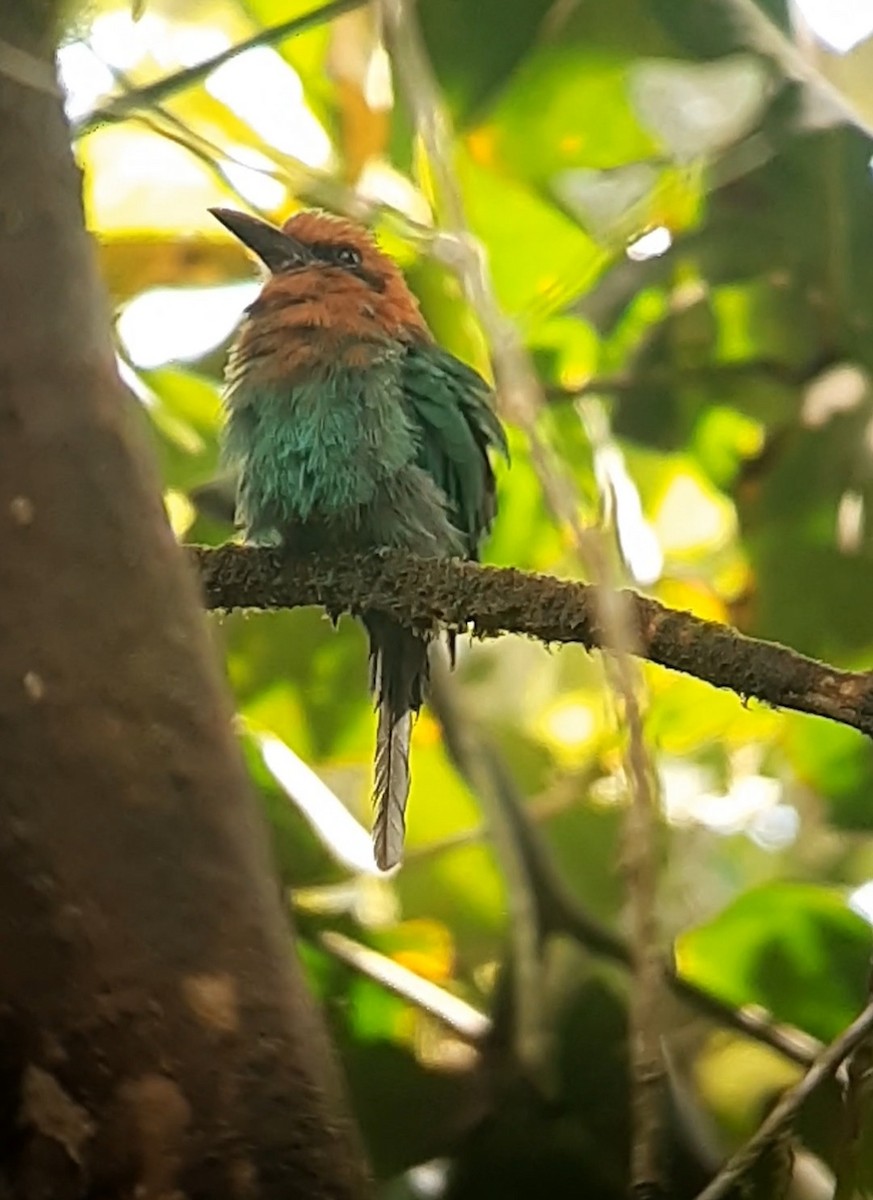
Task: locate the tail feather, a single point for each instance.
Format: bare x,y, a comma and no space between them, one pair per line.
391,787
398,664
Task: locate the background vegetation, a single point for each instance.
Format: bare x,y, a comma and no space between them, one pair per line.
677,211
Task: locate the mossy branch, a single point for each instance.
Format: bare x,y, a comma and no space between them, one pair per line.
427,593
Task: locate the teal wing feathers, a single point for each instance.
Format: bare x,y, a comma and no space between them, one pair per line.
450,407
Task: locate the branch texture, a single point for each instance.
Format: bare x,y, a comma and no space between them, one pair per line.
784,1113
496,600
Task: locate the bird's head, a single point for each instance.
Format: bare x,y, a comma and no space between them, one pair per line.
327,274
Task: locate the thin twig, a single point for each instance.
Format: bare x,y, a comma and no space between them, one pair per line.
826,1065
560,912
465,1021
856,1078
762,33
523,399
753,1022
121,107
424,593
639,858
166,124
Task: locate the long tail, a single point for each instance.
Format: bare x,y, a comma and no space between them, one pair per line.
398,674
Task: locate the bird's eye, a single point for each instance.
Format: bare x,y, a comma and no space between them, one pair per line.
347,256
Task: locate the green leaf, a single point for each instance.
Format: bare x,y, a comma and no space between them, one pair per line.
724,440
186,415
539,258
811,594
695,110
325,670
687,716
565,350
475,47
591,832
838,764
449,315
461,887
189,397
524,534
796,949
538,126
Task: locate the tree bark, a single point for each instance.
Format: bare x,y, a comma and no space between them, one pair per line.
156,1038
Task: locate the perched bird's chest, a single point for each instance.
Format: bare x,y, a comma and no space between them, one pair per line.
318,448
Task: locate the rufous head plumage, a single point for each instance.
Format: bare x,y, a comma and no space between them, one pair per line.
330,289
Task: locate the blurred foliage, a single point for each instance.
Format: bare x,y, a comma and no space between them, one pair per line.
685,239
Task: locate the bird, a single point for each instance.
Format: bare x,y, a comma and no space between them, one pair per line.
351,429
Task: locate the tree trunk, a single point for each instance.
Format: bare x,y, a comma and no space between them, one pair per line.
155,1035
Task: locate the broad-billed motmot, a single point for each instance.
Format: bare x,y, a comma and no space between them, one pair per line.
351,429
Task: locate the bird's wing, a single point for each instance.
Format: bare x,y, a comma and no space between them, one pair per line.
450,406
